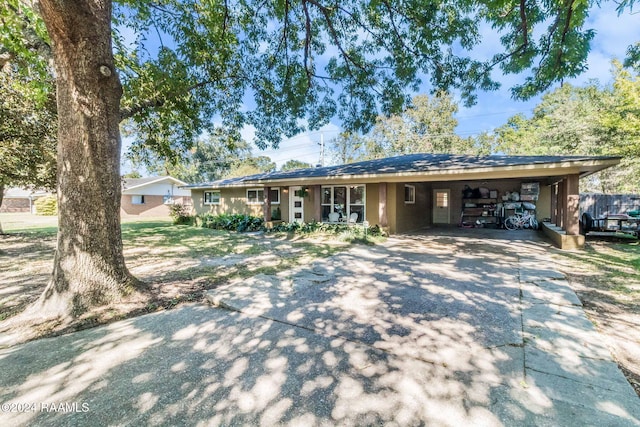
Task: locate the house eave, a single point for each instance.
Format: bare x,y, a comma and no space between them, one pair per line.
160,179
583,168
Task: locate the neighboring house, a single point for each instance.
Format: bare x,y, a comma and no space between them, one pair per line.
152,196
411,192
21,199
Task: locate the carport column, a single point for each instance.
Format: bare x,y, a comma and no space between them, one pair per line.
572,198
266,207
562,204
382,205
317,203
554,204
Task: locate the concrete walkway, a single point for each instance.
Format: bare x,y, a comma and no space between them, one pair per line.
446,331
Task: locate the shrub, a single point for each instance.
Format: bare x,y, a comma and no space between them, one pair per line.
232,222
347,232
180,214
47,206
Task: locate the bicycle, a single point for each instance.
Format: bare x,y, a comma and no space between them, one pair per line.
519,221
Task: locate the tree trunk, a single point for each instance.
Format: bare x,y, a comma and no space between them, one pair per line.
89,267
1,198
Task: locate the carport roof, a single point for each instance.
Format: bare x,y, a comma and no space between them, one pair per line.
429,167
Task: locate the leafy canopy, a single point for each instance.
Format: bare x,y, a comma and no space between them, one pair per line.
291,165
586,120
427,125
189,66
281,66
28,126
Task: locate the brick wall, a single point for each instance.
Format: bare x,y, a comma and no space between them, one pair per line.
153,206
15,205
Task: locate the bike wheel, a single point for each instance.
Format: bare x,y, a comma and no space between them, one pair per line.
511,223
534,224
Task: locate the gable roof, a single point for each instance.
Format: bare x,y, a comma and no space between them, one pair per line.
24,193
430,167
131,183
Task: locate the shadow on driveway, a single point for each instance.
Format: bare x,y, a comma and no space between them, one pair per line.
436,330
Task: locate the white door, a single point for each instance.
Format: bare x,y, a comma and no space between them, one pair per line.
296,205
441,206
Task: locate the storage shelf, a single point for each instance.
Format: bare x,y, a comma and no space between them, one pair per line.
484,212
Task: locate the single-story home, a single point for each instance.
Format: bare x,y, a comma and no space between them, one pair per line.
21,199
152,196
410,192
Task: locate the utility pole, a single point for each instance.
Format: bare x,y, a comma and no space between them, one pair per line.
321,163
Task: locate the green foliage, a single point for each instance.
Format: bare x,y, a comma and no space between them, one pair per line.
343,231
46,206
28,130
251,166
180,214
293,164
347,147
231,222
211,158
426,126
586,120
133,174
192,67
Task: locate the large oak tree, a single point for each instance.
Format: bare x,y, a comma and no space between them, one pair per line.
296,61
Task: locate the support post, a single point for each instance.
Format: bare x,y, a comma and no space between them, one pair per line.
382,205
317,203
572,210
266,207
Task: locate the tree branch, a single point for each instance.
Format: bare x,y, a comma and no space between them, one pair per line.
127,113
307,41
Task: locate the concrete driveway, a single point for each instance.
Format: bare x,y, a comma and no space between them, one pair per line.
447,330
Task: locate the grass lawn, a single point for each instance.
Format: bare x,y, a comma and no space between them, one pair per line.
606,278
179,262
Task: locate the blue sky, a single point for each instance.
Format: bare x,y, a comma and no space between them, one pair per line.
613,35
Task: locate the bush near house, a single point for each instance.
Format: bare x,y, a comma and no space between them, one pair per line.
232,222
180,214
46,206
313,226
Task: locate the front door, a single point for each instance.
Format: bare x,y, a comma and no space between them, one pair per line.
296,205
441,206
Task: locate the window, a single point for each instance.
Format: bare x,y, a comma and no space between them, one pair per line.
345,201
275,196
410,194
137,200
168,200
255,196
442,199
211,198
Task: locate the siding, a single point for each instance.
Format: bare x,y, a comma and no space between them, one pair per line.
372,203
412,216
234,201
